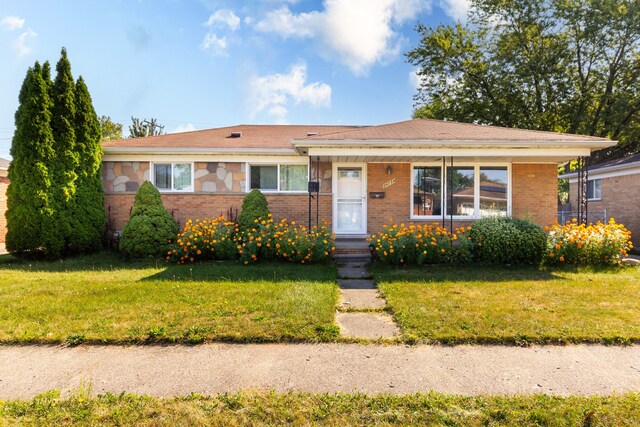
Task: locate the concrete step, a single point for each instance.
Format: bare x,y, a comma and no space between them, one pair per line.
356,284
367,325
361,298
353,271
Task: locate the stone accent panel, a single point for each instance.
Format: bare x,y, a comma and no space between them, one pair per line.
620,198
326,171
220,177
124,177
201,205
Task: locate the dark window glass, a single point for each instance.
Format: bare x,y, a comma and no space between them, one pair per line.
162,176
427,190
264,177
461,187
493,191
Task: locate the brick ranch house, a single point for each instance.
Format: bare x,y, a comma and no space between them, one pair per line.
613,187
4,183
418,170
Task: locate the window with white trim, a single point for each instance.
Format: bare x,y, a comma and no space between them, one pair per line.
279,178
594,189
173,176
464,191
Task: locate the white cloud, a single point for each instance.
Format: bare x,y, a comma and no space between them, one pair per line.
214,44
222,18
21,43
457,9
12,22
414,79
189,127
273,93
358,33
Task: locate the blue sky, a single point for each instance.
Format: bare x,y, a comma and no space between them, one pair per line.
199,64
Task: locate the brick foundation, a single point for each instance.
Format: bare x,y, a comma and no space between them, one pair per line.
197,205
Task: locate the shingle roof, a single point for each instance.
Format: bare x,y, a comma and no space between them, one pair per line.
433,130
616,162
4,163
253,136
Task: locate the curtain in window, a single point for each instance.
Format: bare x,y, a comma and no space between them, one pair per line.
162,176
293,177
264,177
182,176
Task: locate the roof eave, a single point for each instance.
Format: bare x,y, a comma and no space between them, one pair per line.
633,165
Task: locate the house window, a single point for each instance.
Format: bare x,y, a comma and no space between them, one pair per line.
284,178
173,176
493,191
427,191
462,191
461,184
594,189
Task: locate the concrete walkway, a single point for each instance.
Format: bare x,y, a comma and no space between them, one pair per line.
360,307
175,370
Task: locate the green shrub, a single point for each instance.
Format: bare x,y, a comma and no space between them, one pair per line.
254,207
420,244
504,240
593,244
150,229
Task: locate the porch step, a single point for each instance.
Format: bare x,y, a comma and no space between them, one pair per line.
351,246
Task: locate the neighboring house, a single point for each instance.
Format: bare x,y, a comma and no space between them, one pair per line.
612,187
4,183
417,170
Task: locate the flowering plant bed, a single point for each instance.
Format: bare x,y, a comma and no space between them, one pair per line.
219,239
593,244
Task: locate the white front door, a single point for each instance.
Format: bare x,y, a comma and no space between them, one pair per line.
350,209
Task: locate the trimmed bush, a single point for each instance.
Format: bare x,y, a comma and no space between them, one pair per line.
254,207
150,229
420,244
504,240
593,244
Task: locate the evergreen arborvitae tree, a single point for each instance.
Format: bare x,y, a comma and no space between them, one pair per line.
254,206
151,228
64,168
29,212
86,213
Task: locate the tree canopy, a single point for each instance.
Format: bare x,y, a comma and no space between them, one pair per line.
141,128
555,65
110,129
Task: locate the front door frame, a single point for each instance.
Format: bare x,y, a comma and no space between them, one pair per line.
334,185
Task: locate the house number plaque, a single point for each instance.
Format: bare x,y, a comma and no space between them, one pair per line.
389,183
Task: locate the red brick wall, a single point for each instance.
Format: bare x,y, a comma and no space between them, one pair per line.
396,198
192,206
4,183
535,192
620,198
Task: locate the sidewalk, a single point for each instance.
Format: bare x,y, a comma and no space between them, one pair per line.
177,370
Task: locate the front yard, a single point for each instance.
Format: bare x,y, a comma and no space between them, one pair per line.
505,305
103,299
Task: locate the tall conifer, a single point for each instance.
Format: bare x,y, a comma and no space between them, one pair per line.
87,209
29,211
67,161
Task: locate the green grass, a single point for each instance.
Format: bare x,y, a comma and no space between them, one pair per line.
258,409
481,305
104,299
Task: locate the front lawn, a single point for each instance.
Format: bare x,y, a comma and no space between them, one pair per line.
502,305
258,409
103,299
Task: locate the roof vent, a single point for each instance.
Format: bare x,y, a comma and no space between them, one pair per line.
236,134
312,133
